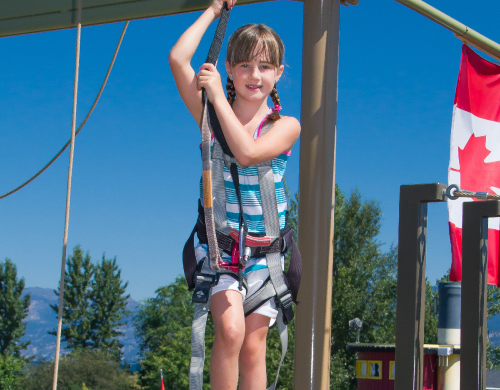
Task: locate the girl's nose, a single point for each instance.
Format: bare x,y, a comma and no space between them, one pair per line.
255,72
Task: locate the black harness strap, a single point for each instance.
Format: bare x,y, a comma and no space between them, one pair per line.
212,57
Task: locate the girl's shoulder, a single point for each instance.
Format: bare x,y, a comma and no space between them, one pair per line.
288,122
283,134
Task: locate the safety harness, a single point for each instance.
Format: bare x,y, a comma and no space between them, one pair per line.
212,229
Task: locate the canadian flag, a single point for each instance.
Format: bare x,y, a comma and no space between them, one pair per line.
475,151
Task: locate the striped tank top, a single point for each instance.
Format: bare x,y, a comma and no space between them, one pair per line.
250,192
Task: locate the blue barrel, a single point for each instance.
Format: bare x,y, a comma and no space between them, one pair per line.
450,295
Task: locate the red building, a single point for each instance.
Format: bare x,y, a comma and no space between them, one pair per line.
375,366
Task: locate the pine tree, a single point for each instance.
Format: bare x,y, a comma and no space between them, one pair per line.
109,307
94,304
77,315
13,310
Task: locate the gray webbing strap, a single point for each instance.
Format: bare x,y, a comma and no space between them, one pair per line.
218,186
272,224
268,199
198,345
200,317
262,295
283,331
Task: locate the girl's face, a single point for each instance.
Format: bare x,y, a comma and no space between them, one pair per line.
254,79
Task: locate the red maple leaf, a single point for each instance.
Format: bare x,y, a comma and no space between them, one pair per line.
475,174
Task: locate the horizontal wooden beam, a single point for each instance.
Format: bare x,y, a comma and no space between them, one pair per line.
31,16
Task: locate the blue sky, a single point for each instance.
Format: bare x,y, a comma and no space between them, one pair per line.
137,165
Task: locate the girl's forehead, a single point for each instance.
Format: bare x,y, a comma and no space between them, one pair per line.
260,53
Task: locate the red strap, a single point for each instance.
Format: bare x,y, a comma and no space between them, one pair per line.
251,240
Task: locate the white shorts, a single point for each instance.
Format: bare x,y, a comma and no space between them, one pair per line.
256,272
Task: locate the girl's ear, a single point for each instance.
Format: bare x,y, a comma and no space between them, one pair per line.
279,72
228,69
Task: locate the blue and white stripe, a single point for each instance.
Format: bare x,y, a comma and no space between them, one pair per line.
250,195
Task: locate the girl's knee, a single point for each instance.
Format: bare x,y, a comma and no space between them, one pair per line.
231,332
253,353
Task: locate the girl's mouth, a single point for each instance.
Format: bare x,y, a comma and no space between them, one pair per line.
253,87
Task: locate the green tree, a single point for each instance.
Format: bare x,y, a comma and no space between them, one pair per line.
77,315
493,351
11,369
13,310
108,307
94,304
363,286
163,330
94,370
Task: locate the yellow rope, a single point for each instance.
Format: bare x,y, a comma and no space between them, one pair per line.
68,195
81,125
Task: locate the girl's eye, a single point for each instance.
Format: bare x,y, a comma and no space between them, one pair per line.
244,65
265,67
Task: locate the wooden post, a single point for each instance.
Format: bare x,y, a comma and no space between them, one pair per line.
317,192
410,311
474,292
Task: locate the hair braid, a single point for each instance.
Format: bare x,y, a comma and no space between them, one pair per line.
275,115
231,92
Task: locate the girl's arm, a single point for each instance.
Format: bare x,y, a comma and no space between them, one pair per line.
182,53
248,151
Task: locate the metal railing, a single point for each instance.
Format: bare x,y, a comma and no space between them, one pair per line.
461,31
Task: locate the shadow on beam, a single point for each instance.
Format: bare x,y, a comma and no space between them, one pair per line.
31,16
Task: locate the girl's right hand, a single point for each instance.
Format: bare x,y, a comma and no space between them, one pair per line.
217,5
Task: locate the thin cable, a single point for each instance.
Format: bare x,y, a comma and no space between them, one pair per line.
81,125
68,194
454,192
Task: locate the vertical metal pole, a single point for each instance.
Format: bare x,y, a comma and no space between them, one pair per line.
410,311
317,192
474,292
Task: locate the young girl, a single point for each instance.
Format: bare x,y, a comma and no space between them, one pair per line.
254,66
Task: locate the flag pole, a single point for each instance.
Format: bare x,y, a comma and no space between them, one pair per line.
461,31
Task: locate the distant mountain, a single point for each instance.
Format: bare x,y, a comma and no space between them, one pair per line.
42,319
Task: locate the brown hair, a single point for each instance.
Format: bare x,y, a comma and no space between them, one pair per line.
248,42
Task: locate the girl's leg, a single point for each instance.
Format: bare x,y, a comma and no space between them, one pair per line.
253,353
229,320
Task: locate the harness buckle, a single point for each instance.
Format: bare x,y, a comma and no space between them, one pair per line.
204,281
284,301
234,264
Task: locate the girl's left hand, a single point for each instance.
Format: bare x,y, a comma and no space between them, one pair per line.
209,78
218,4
